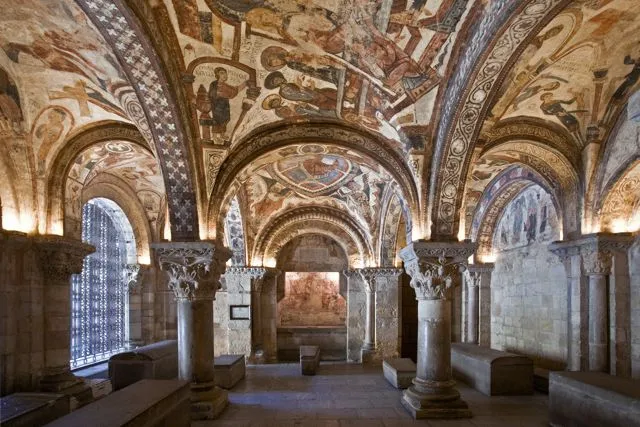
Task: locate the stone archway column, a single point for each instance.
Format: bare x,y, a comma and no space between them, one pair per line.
477,278
368,351
433,266
597,265
194,270
60,258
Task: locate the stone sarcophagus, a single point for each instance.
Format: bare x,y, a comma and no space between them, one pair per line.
492,372
154,361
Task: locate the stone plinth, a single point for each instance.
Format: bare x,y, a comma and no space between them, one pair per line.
309,359
230,369
399,372
32,409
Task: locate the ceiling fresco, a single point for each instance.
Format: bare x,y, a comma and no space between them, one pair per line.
578,71
318,175
373,64
52,57
127,161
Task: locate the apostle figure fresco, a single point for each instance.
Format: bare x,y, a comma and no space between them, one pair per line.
10,111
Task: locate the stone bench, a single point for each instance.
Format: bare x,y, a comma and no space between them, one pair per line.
399,372
309,359
155,361
146,403
492,372
229,370
593,399
32,409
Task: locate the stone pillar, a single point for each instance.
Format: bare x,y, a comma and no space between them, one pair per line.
478,316
599,304
133,279
380,284
577,299
356,306
433,266
194,270
244,287
598,266
60,257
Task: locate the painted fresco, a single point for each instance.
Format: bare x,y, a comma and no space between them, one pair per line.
312,299
314,174
579,70
127,161
529,218
61,60
375,64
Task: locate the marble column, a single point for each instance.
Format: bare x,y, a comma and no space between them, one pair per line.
472,286
60,257
194,270
368,351
433,266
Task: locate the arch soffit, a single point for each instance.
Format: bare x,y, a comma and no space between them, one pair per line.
497,196
140,62
619,198
281,135
77,143
534,129
464,103
118,191
323,216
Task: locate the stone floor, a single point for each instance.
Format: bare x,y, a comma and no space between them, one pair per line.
353,395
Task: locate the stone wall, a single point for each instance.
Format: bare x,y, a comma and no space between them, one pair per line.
529,305
634,270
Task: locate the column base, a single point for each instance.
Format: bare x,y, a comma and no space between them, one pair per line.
433,403
369,355
208,405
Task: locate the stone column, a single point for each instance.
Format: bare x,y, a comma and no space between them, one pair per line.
356,305
133,279
478,316
368,351
194,270
60,257
577,300
433,266
598,266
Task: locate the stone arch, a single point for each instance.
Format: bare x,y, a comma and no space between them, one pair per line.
61,164
389,229
140,62
497,196
467,98
281,135
556,169
319,220
619,209
114,189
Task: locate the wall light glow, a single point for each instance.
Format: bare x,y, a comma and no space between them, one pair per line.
618,225
12,221
144,259
488,258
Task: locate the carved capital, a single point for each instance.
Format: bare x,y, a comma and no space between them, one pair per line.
255,275
194,268
61,257
133,277
596,262
472,278
371,274
433,265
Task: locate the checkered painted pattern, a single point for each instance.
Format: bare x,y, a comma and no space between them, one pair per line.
138,60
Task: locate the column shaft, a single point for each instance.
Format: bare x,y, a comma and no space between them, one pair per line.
473,312
598,333
370,323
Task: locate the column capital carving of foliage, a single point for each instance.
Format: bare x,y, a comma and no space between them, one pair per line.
370,274
133,277
194,268
256,275
60,256
433,265
595,249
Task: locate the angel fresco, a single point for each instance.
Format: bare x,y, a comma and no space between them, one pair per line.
322,99
554,107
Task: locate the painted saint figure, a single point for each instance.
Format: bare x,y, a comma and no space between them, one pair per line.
553,107
220,92
619,96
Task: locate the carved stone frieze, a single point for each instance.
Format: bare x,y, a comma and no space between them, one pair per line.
434,265
596,262
194,268
254,275
596,250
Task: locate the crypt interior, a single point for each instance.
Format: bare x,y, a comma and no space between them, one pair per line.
439,198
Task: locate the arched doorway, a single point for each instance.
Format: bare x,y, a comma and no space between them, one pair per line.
99,295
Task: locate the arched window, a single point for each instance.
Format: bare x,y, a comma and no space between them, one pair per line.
99,295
